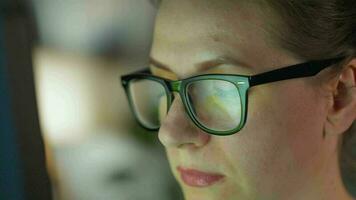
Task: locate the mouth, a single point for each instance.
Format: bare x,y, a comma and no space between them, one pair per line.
196,178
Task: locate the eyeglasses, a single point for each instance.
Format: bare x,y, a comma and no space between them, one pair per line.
216,103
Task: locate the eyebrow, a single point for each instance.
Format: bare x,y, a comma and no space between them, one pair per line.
206,65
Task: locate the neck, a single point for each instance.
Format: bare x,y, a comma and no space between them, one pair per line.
326,185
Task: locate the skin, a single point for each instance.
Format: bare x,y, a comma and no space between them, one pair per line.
281,152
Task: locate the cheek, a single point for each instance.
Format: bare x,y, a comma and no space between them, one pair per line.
174,160
300,114
282,136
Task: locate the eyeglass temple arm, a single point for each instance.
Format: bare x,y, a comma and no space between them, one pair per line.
295,71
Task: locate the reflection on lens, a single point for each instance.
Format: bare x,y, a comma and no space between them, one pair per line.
216,104
149,101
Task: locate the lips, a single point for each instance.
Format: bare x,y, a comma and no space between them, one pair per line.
196,178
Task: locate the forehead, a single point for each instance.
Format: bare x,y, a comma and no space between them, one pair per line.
201,18
193,31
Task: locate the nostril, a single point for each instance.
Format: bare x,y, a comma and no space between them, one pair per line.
182,135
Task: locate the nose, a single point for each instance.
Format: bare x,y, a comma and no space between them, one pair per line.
177,130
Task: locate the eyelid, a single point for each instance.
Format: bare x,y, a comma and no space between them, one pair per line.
219,69
163,73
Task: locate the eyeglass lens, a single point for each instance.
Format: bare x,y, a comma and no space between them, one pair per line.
149,99
215,104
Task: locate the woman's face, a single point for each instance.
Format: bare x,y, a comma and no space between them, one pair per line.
281,145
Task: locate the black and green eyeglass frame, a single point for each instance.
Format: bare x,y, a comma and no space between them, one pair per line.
242,83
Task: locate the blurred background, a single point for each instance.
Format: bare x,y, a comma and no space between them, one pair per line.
97,150
78,50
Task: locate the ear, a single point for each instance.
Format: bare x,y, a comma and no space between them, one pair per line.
342,111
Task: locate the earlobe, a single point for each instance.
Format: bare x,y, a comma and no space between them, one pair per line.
342,112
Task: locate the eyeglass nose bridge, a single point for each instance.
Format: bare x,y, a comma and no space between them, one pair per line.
175,86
